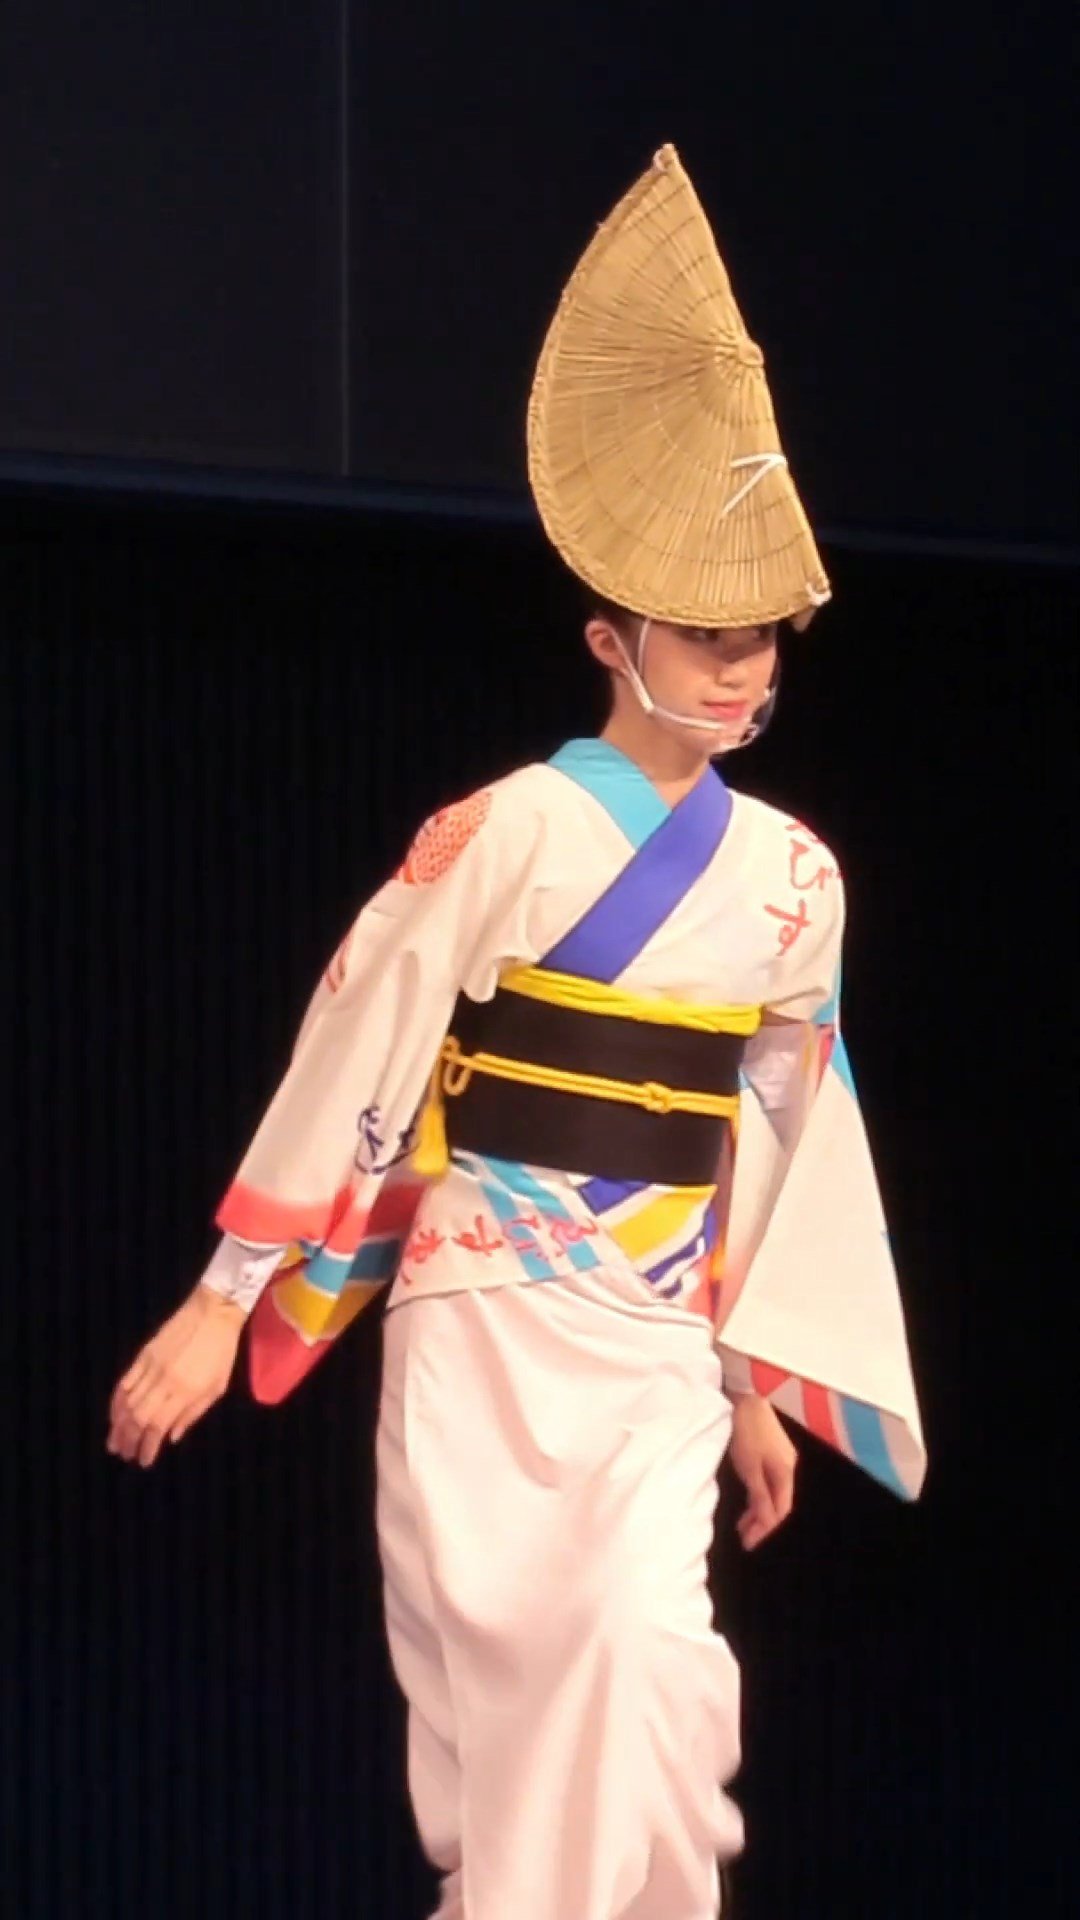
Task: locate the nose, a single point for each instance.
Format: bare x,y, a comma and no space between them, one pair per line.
730,673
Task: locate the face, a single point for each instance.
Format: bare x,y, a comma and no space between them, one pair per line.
721,674
717,673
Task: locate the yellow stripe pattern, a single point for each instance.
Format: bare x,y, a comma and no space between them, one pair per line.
317,1315
592,996
659,1220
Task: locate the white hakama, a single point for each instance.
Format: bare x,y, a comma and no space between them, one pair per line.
547,1460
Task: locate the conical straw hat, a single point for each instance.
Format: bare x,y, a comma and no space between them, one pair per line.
654,458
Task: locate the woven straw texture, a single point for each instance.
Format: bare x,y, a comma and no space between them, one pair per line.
648,394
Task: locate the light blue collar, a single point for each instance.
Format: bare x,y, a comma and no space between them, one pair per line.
626,794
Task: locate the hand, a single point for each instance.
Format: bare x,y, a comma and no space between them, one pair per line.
764,1459
178,1375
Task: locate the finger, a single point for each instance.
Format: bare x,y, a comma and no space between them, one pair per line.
121,1394
120,1404
156,1407
755,1512
758,1521
154,1382
131,1379
167,1406
783,1492
153,1412
751,1534
156,1426
162,1401
751,1524
188,1415
759,1502
756,1533
149,1445
754,1488
126,1439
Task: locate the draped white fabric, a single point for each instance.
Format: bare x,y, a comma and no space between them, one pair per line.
547,1487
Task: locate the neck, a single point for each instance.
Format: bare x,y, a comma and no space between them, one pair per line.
674,765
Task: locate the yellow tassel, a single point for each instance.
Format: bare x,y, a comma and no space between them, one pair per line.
430,1155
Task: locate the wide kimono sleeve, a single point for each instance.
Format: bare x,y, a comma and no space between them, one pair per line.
810,1313
329,1177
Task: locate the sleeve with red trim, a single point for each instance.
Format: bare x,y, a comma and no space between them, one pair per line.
329,1167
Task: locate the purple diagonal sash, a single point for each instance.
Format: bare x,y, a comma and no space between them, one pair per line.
613,931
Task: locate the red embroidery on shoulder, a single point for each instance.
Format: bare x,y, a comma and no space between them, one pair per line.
804,878
794,924
801,846
807,833
442,838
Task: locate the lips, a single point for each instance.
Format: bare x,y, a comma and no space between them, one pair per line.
727,709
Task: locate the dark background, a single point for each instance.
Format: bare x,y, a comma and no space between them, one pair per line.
224,725
311,263
323,244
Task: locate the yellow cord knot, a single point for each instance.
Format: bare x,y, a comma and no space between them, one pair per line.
456,1070
655,1098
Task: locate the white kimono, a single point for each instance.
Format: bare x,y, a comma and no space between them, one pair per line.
553,1410
805,1301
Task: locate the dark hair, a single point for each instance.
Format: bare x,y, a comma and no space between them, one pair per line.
595,607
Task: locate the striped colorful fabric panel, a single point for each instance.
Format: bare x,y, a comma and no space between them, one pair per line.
663,1231
316,1293
871,1439
533,1212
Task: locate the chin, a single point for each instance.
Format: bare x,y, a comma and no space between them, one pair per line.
705,741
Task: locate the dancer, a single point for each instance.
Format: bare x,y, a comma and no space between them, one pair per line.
573,1088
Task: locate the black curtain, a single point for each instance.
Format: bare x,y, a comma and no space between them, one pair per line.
322,245
222,727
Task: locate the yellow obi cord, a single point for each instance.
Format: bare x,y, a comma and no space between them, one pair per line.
592,996
458,1069
454,1069
431,1155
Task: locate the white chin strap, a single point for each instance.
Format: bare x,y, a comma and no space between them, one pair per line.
726,734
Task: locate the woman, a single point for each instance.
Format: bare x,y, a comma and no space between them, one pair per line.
573,1087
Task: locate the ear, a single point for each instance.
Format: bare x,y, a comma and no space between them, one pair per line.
603,643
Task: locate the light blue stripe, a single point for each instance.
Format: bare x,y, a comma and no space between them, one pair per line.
869,1446
828,1015
327,1271
505,1208
373,1260
524,1186
841,1066
377,1259
626,794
